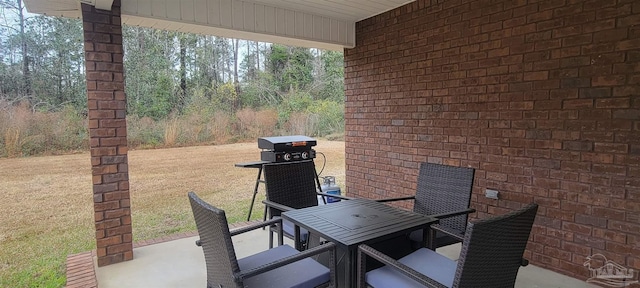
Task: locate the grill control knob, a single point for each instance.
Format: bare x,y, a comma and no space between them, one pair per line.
287,157
305,155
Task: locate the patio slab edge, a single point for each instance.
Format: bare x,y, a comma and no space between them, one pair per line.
81,270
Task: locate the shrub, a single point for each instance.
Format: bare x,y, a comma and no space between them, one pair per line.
25,132
328,117
70,132
171,130
143,132
254,124
220,128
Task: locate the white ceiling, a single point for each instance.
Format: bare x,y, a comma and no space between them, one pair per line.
327,24
351,10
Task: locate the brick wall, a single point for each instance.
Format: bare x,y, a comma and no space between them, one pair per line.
108,132
541,97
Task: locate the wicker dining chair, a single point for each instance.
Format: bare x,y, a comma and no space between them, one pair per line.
443,192
289,185
282,266
490,257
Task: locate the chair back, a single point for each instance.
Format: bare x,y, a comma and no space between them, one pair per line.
291,184
443,188
492,249
215,239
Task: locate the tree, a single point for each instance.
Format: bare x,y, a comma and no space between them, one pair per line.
10,10
150,71
290,66
332,76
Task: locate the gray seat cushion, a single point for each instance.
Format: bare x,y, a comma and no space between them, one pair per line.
289,229
301,274
425,261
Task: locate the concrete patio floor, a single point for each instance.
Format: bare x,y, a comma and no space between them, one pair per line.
180,263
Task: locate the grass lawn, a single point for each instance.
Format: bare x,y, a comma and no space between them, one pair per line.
46,210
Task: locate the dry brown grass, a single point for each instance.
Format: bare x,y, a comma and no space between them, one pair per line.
47,209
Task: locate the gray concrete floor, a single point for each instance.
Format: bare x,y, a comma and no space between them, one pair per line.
180,263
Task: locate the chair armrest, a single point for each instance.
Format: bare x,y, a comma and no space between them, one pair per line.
396,199
454,234
335,196
275,205
364,250
331,247
453,214
274,220
241,230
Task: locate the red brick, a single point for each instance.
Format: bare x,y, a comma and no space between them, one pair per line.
117,195
628,20
607,213
598,4
610,35
119,230
101,114
100,95
631,114
597,158
577,40
548,45
539,75
537,17
577,104
627,68
626,91
108,241
576,166
595,114
628,44
613,103
595,92
609,169
580,18
595,70
611,147
612,80
111,105
98,56
102,151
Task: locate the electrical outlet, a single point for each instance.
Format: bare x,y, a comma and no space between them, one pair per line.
491,194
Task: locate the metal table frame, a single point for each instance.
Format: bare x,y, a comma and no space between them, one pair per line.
359,226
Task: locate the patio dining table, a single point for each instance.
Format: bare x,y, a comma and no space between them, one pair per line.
354,222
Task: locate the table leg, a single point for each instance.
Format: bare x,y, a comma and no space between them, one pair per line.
429,235
296,237
351,270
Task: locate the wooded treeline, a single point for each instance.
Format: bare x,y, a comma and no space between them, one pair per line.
182,89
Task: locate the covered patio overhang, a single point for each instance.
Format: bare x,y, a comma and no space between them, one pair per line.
542,98
308,23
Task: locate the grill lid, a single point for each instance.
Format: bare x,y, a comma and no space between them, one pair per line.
286,143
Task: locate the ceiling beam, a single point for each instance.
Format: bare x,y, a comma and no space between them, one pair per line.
99,4
104,4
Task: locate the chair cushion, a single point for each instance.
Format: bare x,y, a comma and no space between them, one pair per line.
289,230
304,273
425,261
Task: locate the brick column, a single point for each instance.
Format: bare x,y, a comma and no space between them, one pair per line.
108,132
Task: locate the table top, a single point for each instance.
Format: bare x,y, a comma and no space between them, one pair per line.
252,164
357,221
